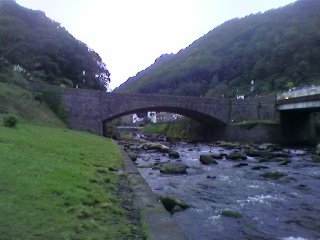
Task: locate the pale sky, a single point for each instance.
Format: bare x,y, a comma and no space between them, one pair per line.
130,34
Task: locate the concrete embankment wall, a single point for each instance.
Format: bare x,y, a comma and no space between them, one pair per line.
159,223
258,133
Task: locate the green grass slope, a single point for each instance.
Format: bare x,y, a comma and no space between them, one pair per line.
16,99
57,184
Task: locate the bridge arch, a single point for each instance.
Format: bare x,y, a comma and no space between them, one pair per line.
213,124
192,114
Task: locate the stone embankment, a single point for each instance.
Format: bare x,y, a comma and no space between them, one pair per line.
158,222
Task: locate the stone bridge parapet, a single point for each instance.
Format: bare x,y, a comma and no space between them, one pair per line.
89,109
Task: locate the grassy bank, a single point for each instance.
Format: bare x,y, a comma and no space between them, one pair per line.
59,184
19,101
250,123
182,129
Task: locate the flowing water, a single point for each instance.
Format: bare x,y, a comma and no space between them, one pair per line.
285,208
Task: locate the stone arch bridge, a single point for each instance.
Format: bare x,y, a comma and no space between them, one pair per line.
90,109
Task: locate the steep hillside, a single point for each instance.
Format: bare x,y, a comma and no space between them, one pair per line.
17,100
46,50
277,49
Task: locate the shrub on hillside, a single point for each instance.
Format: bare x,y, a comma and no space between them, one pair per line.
10,121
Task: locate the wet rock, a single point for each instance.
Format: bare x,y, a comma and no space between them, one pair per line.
280,154
256,153
236,155
240,165
164,148
176,208
227,145
273,175
302,187
174,154
158,146
259,167
172,204
218,155
133,156
174,168
211,177
156,167
315,159
230,213
269,146
285,162
318,149
207,159
133,147
274,159
141,140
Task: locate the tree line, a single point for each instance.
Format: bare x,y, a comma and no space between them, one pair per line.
46,50
275,51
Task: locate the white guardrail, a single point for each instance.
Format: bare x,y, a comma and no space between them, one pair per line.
299,92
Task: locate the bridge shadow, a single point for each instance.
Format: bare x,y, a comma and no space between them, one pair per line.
214,127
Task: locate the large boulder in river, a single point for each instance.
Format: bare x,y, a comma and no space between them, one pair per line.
174,168
207,159
155,146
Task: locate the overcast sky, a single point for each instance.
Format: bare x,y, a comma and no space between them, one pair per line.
130,34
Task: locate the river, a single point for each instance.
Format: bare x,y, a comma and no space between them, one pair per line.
286,208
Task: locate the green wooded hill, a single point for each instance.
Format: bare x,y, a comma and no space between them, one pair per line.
277,49
46,50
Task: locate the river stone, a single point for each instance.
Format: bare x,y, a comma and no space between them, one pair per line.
236,155
154,146
207,159
285,162
315,159
141,140
273,175
280,154
269,146
211,177
318,149
172,204
240,165
259,167
227,144
164,148
217,155
230,213
132,147
257,153
133,156
174,154
174,168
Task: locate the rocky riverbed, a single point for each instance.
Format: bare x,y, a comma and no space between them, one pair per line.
235,191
